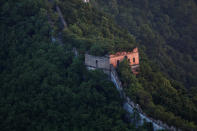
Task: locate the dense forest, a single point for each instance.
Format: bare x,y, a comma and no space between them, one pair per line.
45,87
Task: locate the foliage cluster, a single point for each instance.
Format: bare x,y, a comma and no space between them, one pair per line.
92,30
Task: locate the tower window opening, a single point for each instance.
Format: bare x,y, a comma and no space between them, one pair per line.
134,60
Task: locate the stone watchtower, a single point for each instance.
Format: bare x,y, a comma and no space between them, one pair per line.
105,61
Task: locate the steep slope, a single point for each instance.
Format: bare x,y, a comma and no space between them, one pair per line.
155,86
159,97
43,87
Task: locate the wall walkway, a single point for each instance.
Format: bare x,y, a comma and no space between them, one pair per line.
61,16
130,106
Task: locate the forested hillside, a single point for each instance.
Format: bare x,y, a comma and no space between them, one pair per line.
92,30
159,95
45,87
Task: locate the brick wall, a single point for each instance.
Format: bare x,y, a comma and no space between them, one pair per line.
132,57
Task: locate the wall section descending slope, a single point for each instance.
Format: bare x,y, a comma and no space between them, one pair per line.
131,107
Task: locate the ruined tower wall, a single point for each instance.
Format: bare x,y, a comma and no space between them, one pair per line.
132,57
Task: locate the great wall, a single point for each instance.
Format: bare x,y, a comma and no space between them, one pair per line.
108,64
104,62
128,104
